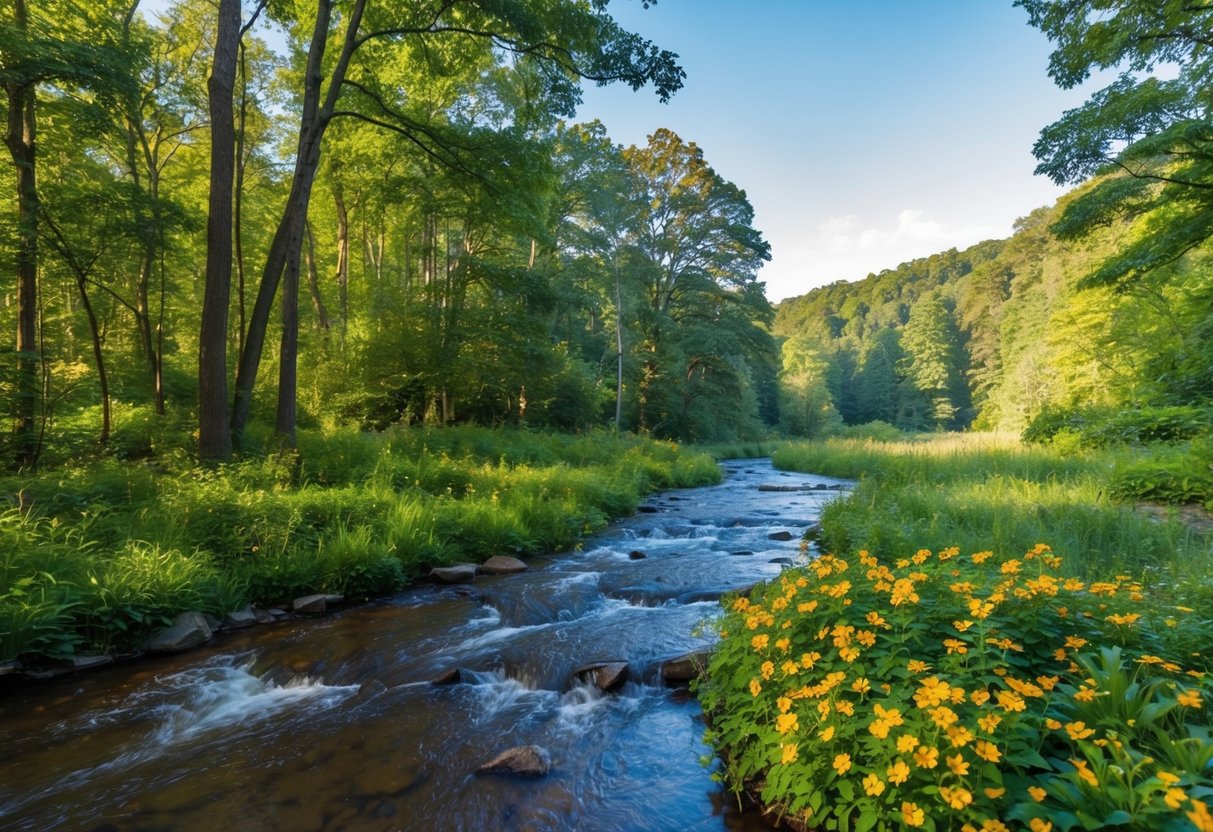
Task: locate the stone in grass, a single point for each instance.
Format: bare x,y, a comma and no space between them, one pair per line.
501,565
189,629
460,573
523,760
310,605
237,619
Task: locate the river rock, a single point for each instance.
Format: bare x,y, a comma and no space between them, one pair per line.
279,614
686,667
741,553
449,677
86,662
785,535
606,676
460,573
237,619
263,616
779,487
10,667
501,565
647,509
189,630
784,561
525,760
310,605
636,554
333,599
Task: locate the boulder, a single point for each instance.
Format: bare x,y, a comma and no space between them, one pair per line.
240,618
741,553
278,613
189,629
686,667
785,535
9,667
310,605
501,565
460,573
606,676
647,509
636,554
263,616
333,599
524,760
784,561
86,662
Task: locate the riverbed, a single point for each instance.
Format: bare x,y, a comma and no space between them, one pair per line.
335,723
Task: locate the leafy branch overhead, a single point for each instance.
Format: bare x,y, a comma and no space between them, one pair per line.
1146,125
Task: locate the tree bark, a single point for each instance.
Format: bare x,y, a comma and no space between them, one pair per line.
343,255
214,435
313,281
20,137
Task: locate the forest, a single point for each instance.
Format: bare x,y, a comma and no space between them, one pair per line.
417,234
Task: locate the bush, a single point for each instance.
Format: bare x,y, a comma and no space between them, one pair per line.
947,691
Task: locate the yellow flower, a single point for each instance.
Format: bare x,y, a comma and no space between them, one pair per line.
961,626
755,687
1167,778
807,660
848,654
861,685
875,619
759,642
898,773
926,757
1084,695
903,591
789,668
1048,682
957,798
955,645
783,644
1200,816
1190,698
982,557
790,751
911,814
1040,825
844,706
994,793
1010,701
785,723
993,825
873,785
1174,798
980,697
1078,730
826,733
1085,773
931,692
866,637
907,743
958,765
842,763
917,666
1075,642
806,607
943,716
987,751
784,704
741,604
1052,724
980,609
960,736
768,670
1038,794
1010,567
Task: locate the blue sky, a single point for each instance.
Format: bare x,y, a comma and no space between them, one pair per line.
865,132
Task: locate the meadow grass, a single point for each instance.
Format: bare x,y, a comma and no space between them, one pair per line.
989,491
95,557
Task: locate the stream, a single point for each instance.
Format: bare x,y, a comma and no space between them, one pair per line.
334,724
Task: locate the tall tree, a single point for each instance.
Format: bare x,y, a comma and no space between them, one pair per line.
214,436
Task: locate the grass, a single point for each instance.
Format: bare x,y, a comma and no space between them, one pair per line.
989,491
98,556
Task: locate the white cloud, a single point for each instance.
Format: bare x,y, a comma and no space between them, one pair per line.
843,248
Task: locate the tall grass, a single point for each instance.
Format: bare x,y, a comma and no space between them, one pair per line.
100,555
988,491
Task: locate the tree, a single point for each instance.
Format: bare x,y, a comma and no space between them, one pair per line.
1156,135
929,340
567,43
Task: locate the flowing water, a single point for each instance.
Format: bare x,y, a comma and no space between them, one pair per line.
333,724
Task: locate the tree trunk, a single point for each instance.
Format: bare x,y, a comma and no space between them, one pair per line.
214,436
618,352
313,282
238,229
343,256
288,375
94,331
20,137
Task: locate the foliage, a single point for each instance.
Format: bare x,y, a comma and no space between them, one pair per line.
943,690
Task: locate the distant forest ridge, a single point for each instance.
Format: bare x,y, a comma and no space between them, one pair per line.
990,336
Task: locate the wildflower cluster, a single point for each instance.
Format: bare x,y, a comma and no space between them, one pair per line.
943,691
